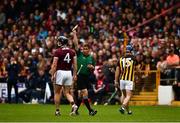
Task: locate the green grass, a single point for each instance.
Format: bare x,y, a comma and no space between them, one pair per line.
45,113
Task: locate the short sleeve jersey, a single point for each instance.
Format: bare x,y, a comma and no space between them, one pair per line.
65,60
127,66
83,61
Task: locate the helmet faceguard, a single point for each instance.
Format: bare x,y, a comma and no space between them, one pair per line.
62,40
129,48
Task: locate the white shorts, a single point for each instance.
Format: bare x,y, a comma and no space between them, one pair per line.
126,84
63,77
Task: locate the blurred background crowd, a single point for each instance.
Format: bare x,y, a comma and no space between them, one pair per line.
28,29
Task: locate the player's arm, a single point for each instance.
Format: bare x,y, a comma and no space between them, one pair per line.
75,40
91,66
117,73
75,68
54,67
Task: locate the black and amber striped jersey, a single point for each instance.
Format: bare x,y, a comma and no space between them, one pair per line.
127,66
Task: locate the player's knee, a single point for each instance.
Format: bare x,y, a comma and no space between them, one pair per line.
85,97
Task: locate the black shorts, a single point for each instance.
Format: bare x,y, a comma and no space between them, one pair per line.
82,82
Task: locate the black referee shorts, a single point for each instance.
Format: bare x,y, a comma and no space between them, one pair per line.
82,82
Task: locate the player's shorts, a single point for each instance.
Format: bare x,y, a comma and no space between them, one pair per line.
126,84
82,82
63,77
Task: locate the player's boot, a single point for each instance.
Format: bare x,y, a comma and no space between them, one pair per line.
74,110
93,112
57,113
77,113
122,110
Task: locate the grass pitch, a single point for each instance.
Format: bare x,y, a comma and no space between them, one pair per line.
110,113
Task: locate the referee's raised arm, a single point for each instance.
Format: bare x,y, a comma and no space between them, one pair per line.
75,40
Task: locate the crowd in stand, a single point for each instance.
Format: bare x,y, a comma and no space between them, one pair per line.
28,29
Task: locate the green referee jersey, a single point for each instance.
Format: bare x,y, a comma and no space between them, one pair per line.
83,61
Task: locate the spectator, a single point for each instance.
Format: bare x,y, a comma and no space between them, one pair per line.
2,17
23,71
176,86
148,76
162,66
172,62
13,71
3,71
39,79
109,70
99,88
138,75
35,87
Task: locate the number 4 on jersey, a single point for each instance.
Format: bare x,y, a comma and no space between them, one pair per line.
67,58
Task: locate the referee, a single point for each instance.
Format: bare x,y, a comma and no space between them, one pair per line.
86,65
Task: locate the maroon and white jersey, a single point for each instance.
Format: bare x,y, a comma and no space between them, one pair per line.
65,56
